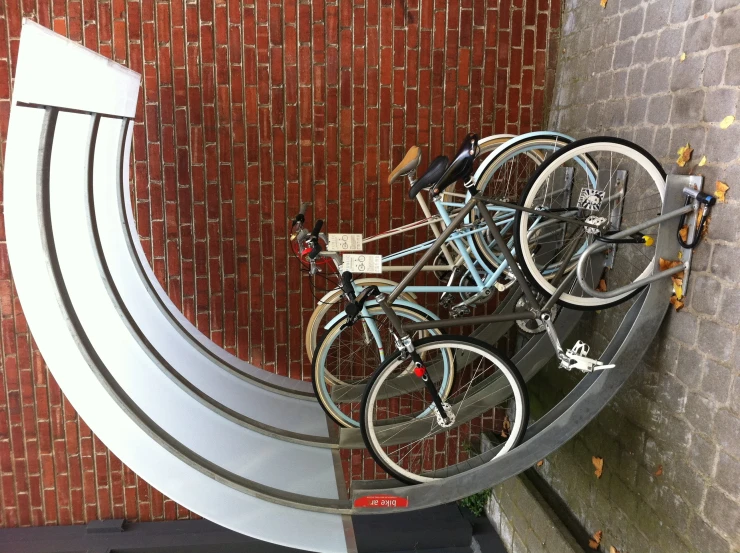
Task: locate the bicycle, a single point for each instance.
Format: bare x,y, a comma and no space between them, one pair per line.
567,244
504,172
344,351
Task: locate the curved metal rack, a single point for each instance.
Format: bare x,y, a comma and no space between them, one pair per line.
240,446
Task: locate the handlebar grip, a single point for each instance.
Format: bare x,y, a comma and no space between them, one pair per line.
352,309
315,250
301,217
317,228
347,283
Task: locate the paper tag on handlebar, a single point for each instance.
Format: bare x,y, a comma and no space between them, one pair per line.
362,263
345,243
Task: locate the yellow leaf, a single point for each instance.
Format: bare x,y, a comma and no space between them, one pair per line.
720,190
599,465
678,288
665,264
683,56
540,463
602,286
703,161
684,154
506,427
603,3
595,541
677,304
659,472
684,233
727,121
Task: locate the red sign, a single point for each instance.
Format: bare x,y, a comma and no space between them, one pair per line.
381,501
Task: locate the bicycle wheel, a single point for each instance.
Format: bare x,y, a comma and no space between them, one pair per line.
401,427
503,176
333,303
346,358
625,190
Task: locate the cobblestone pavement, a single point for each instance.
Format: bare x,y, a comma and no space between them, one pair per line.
671,438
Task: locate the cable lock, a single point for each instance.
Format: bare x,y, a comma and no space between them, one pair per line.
706,201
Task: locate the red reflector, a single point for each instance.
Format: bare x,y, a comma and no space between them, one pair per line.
381,501
420,371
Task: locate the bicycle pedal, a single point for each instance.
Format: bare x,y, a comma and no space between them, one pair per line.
459,311
502,286
577,358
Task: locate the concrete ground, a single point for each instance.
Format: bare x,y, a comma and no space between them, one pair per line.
671,439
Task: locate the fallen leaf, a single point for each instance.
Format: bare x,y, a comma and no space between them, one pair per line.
676,303
599,465
682,56
613,549
684,233
506,427
703,161
659,472
595,541
665,264
603,3
720,189
602,286
727,121
540,463
684,154
678,287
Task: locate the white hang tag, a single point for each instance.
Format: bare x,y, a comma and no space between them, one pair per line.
345,243
363,263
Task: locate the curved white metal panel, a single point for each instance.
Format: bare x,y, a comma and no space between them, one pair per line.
180,414
229,388
155,424
45,76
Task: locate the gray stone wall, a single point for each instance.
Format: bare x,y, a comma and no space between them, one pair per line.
524,521
671,438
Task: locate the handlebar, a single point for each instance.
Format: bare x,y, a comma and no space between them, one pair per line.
315,247
317,229
301,217
347,286
353,308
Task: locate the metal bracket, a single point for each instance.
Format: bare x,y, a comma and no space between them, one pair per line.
673,208
696,182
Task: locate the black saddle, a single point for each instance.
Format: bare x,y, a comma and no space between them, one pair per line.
462,166
435,170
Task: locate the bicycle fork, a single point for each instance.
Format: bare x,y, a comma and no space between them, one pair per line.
405,344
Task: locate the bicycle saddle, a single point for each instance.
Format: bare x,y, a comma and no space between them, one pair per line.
431,175
409,163
461,166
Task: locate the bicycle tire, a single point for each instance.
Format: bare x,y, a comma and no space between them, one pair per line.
319,367
521,235
373,392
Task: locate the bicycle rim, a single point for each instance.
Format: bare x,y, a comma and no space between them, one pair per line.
488,402
347,357
543,243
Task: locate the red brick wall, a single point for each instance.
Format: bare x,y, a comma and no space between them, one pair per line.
246,110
